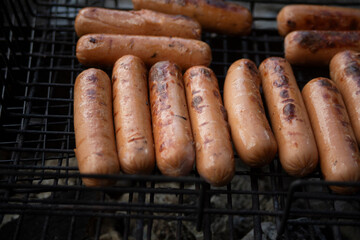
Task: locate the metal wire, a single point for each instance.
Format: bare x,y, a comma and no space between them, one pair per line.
38,70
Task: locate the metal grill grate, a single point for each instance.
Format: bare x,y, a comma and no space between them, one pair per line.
41,196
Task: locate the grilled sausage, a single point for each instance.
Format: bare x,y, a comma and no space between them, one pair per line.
289,119
105,49
316,48
345,71
215,15
132,118
316,17
93,124
214,152
339,153
143,22
174,145
250,130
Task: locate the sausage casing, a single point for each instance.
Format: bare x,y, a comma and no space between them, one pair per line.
250,130
345,71
93,124
132,118
174,145
316,48
215,15
339,153
142,22
105,49
214,152
317,17
289,119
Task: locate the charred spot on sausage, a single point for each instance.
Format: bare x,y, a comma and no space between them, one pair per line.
92,40
216,94
289,111
92,78
282,81
284,93
291,24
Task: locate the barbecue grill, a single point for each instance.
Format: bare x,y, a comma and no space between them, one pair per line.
41,193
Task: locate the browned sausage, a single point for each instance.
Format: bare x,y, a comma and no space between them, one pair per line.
215,15
250,130
316,48
317,17
143,22
339,153
132,118
93,124
105,49
345,71
289,119
214,152
174,145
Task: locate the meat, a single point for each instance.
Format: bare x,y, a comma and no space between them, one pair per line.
289,119
250,130
339,152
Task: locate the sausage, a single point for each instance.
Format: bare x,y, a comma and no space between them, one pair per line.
345,71
105,49
214,15
142,22
316,48
214,153
174,144
339,153
250,130
289,119
93,125
317,17
132,118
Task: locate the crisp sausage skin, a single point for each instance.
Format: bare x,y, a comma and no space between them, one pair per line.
317,17
104,49
142,22
214,153
215,15
174,144
289,119
316,48
93,124
345,71
339,153
250,130
132,118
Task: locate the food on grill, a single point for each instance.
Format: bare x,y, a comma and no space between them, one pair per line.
250,130
104,49
339,152
215,15
289,119
174,145
316,48
132,117
214,152
317,17
143,22
93,123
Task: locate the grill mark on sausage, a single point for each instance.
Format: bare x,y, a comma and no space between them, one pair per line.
92,40
203,124
252,68
100,154
289,111
291,24
91,94
207,141
284,93
92,78
136,139
196,102
216,94
223,112
323,82
352,143
282,81
165,123
179,116
162,146
195,92
289,100
205,72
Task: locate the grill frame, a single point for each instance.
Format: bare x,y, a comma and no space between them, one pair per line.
38,70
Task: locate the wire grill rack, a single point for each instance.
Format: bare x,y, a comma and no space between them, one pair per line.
41,194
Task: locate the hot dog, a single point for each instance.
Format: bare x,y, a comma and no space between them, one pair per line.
93,124
316,48
345,71
317,17
132,118
215,15
105,49
339,153
250,130
174,145
143,22
214,152
289,119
